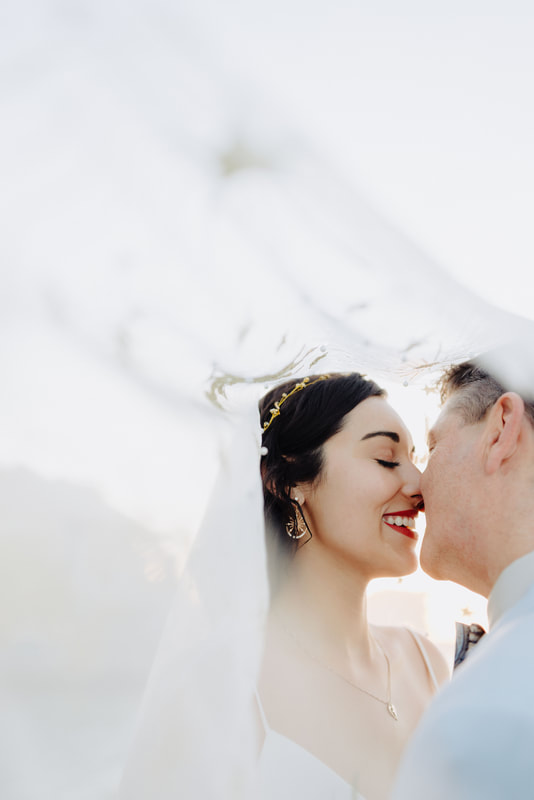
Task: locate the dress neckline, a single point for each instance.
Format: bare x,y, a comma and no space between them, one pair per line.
272,733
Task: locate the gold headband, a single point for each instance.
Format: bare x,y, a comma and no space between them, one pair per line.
275,410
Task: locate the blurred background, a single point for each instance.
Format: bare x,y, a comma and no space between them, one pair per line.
199,198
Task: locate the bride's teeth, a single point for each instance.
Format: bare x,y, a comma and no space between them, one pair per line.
404,522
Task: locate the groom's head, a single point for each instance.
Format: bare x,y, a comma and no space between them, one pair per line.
478,486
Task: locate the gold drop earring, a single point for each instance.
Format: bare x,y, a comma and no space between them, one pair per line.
296,526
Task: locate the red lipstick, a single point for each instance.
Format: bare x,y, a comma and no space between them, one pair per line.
409,513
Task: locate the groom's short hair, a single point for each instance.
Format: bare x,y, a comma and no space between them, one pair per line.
475,390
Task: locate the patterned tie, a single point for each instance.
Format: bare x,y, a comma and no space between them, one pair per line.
466,637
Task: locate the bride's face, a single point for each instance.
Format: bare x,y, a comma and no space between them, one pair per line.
362,507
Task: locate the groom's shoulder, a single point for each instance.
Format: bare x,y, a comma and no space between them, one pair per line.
493,672
477,736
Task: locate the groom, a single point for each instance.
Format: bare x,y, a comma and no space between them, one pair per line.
477,738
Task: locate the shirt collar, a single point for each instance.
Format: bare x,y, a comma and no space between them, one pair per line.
513,582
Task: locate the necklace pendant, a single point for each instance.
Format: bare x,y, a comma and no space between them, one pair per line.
392,711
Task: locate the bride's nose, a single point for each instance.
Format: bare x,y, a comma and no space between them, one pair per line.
412,482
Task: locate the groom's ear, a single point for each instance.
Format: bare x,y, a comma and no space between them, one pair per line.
503,431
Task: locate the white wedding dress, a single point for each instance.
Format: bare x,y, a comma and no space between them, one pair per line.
287,770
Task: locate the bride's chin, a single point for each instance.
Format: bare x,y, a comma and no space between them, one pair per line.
412,561
409,565
400,572
412,569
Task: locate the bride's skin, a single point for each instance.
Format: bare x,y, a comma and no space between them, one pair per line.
319,641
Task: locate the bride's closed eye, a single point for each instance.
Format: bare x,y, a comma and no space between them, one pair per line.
388,464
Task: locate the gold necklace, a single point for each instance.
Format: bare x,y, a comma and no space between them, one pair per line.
392,711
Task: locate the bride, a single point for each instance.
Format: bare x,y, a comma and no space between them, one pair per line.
285,691
337,698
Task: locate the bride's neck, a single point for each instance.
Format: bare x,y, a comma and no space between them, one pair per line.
324,601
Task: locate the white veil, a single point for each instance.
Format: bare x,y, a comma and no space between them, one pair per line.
177,222
196,735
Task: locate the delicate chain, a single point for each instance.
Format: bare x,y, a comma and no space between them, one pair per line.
389,705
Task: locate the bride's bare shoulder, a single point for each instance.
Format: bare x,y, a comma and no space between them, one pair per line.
405,642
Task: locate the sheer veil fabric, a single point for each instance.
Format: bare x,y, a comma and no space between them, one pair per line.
174,211
196,735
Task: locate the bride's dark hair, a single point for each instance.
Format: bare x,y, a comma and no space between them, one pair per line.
294,440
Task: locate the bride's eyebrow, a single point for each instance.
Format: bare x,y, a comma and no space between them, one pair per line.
389,434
